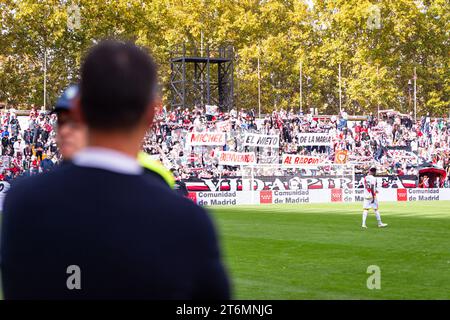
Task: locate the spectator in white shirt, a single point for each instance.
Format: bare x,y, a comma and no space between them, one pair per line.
18,146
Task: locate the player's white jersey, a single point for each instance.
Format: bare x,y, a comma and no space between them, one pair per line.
370,183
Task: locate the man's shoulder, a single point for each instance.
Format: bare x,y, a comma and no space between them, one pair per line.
42,183
161,192
175,207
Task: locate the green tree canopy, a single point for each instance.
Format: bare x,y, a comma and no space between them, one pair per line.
378,44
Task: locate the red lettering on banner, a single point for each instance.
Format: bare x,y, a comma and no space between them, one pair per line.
299,160
336,195
207,138
265,196
402,195
235,158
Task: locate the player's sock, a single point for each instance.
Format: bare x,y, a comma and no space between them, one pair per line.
377,214
364,217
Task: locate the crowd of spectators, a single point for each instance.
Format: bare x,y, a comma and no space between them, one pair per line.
392,141
29,150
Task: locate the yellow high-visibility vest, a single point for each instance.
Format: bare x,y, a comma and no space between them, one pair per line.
157,167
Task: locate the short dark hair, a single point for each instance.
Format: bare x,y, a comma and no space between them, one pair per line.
373,170
118,81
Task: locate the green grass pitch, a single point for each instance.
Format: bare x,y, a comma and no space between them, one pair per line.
319,251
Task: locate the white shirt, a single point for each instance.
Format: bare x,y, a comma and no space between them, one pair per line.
107,159
18,146
370,182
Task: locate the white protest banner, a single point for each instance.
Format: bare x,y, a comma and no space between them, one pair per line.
231,158
315,139
261,140
222,126
292,159
211,109
205,139
402,154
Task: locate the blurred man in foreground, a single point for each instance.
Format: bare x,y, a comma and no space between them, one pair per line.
71,135
110,231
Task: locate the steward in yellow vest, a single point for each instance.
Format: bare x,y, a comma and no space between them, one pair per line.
156,167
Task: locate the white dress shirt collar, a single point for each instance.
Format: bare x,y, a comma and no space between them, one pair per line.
107,159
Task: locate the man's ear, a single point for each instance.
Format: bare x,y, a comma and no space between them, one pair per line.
76,112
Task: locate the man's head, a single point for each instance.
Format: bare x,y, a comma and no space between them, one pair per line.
65,101
373,171
71,135
118,88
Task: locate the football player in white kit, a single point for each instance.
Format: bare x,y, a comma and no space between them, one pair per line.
370,198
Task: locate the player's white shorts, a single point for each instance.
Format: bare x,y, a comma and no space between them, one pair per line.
368,204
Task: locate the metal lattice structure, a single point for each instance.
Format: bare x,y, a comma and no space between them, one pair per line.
202,76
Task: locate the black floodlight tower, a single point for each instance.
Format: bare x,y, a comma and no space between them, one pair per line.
201,76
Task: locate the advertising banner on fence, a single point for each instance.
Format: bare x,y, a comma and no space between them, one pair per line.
231,158
417,194
294,197
315,139
205,139
292,159
314,196
223,198
261,140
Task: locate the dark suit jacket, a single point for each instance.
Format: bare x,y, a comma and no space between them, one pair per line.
130,235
